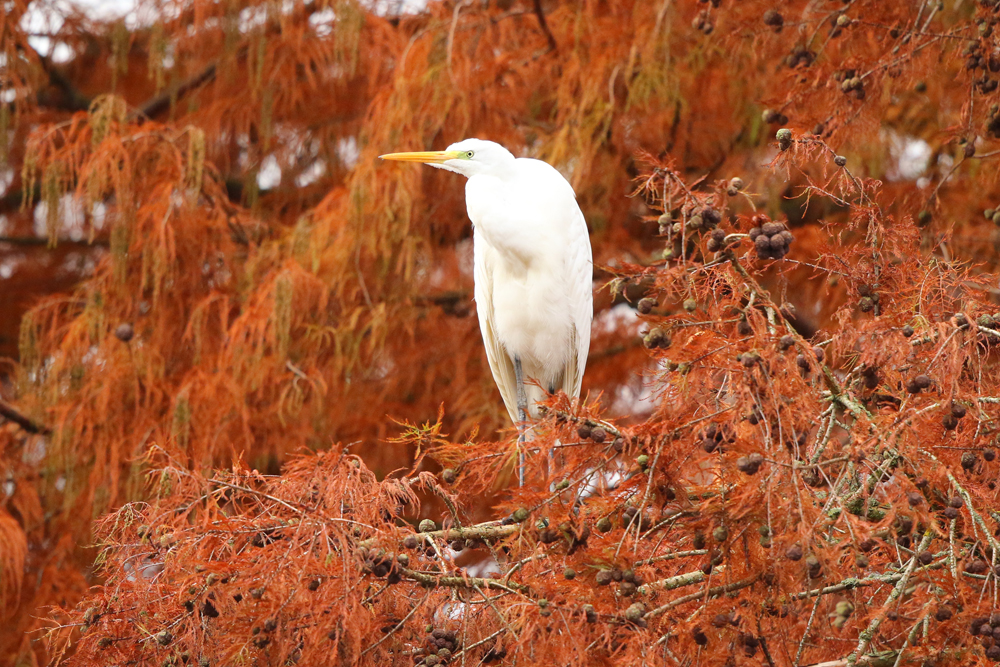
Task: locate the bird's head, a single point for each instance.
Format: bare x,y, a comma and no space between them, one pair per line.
468,157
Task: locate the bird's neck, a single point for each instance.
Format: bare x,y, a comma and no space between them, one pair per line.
514,237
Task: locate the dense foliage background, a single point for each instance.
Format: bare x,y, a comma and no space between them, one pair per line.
246,413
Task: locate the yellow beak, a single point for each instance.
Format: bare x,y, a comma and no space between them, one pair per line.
427,157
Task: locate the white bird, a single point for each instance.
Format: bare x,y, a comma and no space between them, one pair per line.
533,271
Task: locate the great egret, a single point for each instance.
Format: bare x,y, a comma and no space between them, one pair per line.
533,271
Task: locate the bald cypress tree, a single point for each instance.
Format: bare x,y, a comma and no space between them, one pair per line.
245,396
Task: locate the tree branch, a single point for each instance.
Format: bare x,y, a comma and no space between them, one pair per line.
676,581
545,26
38,241
869,633
884,659
157,104
484,531
12,200
74,99
715,591
11,413
432,580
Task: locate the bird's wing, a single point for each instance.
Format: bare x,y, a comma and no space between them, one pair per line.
500,363
580,272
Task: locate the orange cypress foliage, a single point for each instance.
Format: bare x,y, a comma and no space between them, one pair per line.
810,480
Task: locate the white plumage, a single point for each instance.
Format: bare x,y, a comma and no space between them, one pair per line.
533,268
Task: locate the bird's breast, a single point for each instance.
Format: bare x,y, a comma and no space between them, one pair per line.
524,223
533,319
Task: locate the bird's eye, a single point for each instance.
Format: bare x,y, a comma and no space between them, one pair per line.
469,154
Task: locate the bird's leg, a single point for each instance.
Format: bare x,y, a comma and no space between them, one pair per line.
552,454
522,417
